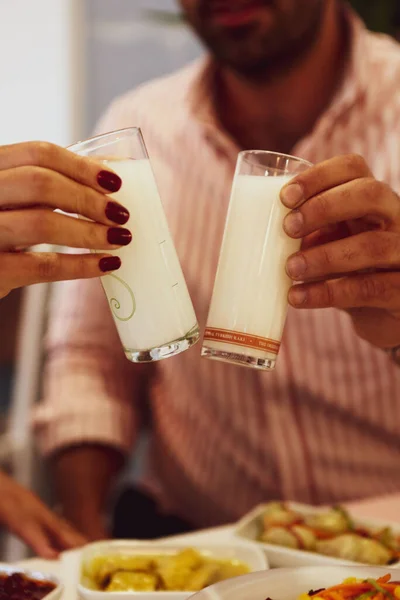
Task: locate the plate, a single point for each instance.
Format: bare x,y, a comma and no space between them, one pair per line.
250,554
280,556
286,584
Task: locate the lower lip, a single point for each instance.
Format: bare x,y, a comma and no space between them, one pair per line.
236,18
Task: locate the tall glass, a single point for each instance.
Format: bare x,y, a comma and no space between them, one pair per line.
249,302
148,296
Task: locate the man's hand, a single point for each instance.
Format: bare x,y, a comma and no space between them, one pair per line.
350,258
27,517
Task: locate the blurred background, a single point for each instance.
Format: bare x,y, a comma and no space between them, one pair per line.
62,63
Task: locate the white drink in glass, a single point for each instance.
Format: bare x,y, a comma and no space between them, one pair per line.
147,295
249,302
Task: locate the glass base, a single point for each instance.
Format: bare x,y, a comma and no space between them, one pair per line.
165,351
241,360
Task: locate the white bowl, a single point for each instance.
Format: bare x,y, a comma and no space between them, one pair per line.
248,553
286,584
280,556
39,575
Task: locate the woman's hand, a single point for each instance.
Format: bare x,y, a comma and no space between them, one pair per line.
35,179
27,517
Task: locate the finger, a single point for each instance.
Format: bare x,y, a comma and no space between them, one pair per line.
323,176
64,536
375,290
33,186
35,535
372,249
17,270
325,235
359,198
30,227
49,156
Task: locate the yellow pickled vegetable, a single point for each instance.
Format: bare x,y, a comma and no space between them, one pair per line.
232,568
176,572
102,568
202,577
128,581
187,570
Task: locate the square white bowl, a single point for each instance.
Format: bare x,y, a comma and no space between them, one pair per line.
250,554
248,528
287,584
6,569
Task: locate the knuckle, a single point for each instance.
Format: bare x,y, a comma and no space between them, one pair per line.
83,167
80,266
78,202
39,181
41,153
325,258
381,246
345,194
373,190
83,199
355,163
93,236
321,208
349,252
327,293
371,288
41,222
48,267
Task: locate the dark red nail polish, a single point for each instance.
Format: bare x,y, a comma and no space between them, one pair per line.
109,181
109,263
119,236
117,213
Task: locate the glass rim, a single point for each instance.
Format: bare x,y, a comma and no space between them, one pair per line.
92,140
298,159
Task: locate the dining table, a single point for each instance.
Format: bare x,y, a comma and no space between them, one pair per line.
67,567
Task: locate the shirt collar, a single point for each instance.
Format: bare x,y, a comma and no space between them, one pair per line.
355,80
354,84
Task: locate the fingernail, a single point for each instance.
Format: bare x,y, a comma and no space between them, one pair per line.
117,213
292,195
109,263
293,223
109,181
296,266
119,236
297,296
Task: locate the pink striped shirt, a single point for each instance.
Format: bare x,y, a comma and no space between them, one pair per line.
325,426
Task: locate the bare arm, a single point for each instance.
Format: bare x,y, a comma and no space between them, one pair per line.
89,417
84,476
90,414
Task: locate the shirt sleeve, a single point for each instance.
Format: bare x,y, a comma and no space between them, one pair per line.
91,392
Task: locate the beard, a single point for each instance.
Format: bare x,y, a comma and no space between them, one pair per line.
259,51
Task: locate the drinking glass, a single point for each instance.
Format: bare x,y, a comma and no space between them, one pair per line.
249,301
148,295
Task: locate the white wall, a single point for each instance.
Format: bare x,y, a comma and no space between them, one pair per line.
39,78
